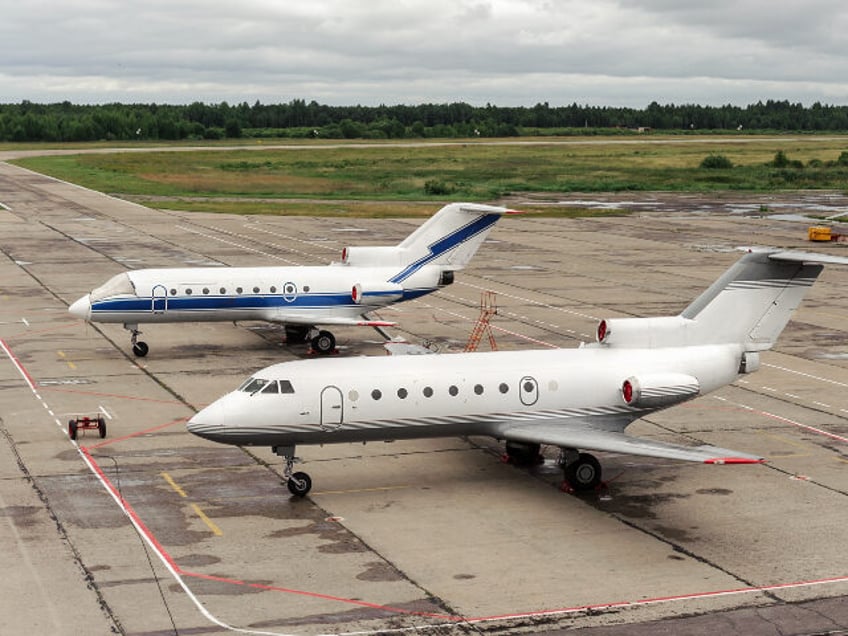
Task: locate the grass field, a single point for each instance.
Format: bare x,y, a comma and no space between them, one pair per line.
316,179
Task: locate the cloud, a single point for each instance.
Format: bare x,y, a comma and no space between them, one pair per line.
505,52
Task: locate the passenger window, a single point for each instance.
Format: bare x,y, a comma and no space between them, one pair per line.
188,291
173,292
255,290
402,393
428,392
273,289
286,386
205,290
504,387
306,288
453,390
223,290
376,394
238,290
478,389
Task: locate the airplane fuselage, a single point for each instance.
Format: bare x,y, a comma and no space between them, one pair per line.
306,294
407,397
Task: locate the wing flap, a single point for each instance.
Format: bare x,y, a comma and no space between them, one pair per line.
323,319
586,438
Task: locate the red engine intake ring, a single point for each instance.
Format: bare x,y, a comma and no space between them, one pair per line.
627,391
602,330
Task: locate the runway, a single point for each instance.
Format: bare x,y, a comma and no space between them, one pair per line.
153,531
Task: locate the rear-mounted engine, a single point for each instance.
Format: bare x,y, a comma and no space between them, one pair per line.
660,389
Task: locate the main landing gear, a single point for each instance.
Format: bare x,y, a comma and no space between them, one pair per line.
581,471
299,483
139,348
322,342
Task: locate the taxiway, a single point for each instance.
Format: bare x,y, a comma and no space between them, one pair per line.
152,530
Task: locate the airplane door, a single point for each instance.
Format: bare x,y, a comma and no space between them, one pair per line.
528,390
332,408
159,299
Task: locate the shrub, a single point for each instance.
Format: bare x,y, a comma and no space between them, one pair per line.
438,187
716,162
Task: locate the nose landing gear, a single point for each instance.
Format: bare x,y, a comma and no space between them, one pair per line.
139,347
298,483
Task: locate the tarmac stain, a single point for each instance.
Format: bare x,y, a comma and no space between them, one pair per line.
379,571
340,540
714,491
198,560
21,516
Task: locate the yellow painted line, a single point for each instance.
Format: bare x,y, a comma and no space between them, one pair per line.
215,529
173,484
64,357
355,490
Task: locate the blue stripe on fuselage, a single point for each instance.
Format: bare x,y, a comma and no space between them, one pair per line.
447,243
144,305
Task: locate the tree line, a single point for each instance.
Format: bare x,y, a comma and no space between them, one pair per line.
67,122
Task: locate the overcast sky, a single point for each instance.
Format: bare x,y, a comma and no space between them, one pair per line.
503,52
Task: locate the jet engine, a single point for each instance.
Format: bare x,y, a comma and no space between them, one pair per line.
667,331
379,256
380,293
659,389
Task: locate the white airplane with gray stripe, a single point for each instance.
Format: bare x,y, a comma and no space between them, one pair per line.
579,399
300,297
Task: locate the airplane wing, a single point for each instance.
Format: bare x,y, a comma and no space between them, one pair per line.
588,438
310,319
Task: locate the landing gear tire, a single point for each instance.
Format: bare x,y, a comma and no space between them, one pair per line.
584,473
299,484
324,343
72,429
101,427
140,349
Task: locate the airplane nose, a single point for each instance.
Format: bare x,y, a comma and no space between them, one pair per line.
81,308
210,422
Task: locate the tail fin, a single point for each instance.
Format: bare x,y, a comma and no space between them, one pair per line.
753,301
750,304
448,239
451,237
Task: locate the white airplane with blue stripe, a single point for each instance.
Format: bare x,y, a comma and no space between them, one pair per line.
299,297
576,399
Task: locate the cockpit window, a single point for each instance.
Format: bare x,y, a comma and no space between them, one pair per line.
119,285
253,385
256,385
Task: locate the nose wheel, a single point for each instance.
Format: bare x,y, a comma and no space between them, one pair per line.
139,347
298,483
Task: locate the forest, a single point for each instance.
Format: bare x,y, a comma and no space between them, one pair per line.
67,122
